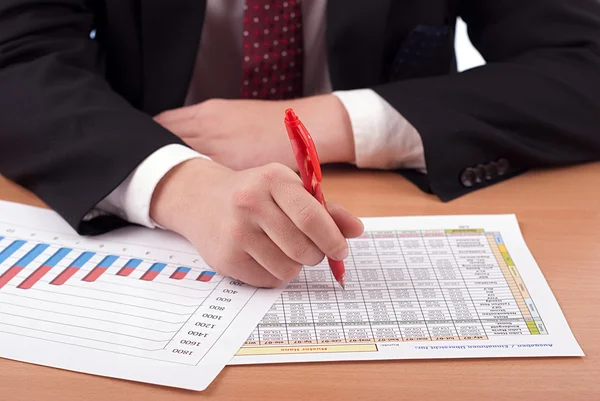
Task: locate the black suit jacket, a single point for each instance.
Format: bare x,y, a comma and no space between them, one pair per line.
75,113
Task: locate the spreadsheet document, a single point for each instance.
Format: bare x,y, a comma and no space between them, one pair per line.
418,287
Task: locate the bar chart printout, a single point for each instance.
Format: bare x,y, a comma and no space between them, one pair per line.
419,287
129,304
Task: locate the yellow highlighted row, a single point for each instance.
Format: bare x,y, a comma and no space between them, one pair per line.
465,230
533,329
306,349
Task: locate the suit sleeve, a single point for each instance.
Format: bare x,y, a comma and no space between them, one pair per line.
64,133
535,104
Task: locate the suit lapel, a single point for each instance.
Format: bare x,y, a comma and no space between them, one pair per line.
355,41
170,38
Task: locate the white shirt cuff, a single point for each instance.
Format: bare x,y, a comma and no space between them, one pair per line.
383,138
131,200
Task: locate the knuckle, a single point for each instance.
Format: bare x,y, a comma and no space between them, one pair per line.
208,113
208,107
305,252
308,215
290,271
246,198
272,171
300,250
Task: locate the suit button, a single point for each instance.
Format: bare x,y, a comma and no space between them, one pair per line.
503,166
479,173
491,171
468,177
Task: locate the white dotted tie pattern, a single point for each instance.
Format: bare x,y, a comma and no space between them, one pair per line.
273,54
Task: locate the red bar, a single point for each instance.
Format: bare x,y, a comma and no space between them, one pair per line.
34,277
204,277
9,275
125,271
149,275
94,274
178,275
65,275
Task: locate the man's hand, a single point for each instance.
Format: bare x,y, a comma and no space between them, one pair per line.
242,134
258,226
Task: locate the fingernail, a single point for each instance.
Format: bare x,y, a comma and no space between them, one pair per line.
342,255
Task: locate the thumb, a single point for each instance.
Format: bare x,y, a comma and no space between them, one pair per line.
349,225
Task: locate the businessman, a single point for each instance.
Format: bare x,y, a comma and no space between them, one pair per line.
169,113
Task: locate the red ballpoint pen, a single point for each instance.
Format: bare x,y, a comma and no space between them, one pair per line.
310,172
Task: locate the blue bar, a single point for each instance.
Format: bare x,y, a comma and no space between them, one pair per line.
133,263
31,255
82,259
57,257
498,239
182,269
108,261
9,250
157,267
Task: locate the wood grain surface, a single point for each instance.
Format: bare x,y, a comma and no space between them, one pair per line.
559,214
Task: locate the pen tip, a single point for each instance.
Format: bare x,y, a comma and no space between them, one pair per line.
342,281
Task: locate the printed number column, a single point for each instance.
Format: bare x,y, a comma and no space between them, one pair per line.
381,310
408,307
323,300
456,291
352,302
433,301
272,328
298,313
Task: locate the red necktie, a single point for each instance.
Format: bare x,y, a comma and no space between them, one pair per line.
272,56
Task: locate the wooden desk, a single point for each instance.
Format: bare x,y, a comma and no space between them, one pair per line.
559,213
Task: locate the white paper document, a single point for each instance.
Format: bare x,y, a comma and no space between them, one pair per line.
135,304
419,287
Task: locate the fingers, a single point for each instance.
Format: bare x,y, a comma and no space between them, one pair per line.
350,226
272,258
180,121
292,242
250,272
310,217
182,127
170,116
273,226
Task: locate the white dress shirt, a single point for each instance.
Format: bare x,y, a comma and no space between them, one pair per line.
383,138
